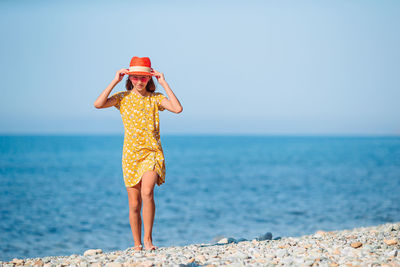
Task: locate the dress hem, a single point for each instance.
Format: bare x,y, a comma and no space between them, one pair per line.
159,177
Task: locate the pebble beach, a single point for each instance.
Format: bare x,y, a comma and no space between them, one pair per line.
363,246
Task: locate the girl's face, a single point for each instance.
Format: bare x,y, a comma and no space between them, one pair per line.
139,81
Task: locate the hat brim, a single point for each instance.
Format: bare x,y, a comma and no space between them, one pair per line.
139,73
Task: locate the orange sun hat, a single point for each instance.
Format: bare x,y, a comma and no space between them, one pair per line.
140,66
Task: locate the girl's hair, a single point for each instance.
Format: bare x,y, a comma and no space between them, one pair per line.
150,87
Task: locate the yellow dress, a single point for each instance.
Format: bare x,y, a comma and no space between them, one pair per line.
142,149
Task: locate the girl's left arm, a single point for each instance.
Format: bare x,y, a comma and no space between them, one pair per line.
171,103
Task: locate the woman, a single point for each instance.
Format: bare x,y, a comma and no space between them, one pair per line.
142,158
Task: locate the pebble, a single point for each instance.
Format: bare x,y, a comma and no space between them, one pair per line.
91,252
363,246
390,242
356,244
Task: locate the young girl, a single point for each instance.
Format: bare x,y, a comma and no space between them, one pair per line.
142,158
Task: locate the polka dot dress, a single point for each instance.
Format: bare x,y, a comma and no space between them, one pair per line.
142,149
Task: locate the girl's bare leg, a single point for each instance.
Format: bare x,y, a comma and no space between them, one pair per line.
135,205
149,180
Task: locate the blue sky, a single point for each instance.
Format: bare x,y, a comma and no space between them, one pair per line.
238,67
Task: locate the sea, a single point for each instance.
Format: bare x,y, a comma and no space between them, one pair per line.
61,195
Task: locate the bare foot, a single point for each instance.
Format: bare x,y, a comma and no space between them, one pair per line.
149,245
138,247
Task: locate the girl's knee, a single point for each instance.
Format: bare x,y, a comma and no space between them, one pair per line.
147,193
135,206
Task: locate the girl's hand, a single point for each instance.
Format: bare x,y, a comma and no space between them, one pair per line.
159,76
120,74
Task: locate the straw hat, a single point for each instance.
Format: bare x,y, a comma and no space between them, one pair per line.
140,66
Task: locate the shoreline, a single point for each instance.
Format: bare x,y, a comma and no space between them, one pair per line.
363,246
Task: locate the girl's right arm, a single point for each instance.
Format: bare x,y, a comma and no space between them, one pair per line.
103,101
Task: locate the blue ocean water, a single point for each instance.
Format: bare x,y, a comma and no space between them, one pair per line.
62,195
